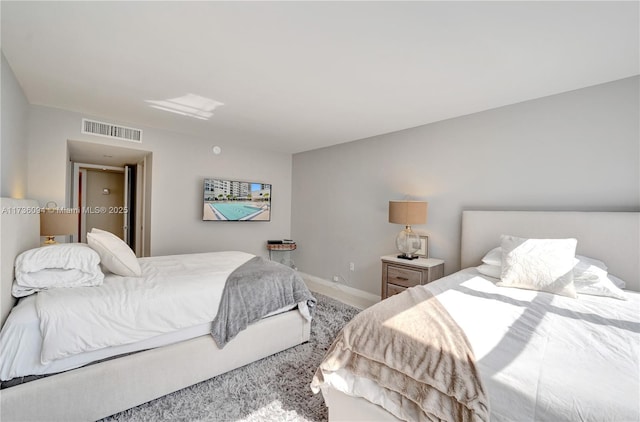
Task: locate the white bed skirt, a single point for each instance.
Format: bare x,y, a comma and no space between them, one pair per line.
100,390
345,408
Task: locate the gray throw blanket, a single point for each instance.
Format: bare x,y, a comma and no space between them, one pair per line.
255,289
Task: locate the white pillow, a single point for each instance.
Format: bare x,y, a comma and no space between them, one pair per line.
115,255
538,264
618,282
589,269
66,256
493,257
604,285
55,278
592,261
589,275
586,269
490,270
56,266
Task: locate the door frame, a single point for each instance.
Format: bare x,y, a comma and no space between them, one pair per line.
91,155
77,169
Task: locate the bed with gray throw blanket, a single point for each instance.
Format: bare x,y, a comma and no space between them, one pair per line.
179,294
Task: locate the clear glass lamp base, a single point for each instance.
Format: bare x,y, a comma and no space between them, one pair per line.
408,243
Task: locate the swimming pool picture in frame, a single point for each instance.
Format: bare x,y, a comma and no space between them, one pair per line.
233,200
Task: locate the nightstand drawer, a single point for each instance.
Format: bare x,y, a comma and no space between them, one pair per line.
392,289
403,276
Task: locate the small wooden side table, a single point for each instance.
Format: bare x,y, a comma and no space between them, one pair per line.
286,248
400,274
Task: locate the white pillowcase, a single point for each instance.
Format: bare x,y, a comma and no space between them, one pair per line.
592,271
55,266
490,270
538,264
590,275
618,282
586,269
115,254
493,257
604,285
64,256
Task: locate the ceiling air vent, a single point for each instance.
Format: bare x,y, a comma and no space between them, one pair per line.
108,130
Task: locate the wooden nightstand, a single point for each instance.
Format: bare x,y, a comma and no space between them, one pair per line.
400,274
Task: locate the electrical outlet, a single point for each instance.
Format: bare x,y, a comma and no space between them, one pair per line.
352,266
336,278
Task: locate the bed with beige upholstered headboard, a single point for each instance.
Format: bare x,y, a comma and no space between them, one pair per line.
102,389
578,330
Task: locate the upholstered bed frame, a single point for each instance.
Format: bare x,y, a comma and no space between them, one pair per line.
613,237
105,388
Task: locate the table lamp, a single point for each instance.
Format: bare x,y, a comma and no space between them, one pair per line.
407,213
54,222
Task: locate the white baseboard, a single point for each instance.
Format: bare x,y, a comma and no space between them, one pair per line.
349,295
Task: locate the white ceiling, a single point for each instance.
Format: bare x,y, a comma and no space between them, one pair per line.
295,76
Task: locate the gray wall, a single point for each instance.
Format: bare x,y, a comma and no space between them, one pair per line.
13,147
573,151
180,163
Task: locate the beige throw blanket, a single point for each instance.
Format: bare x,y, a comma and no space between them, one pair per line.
411,347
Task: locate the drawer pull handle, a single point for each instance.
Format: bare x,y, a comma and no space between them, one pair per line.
402,278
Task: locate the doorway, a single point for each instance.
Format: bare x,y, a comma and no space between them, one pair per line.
102,201
110,186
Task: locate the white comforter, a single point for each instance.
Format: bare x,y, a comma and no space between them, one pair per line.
541,356
174,292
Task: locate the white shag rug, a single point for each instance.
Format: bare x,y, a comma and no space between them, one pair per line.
275,388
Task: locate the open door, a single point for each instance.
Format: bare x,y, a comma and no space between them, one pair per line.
130,205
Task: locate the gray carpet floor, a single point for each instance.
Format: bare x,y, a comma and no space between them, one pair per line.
275,388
